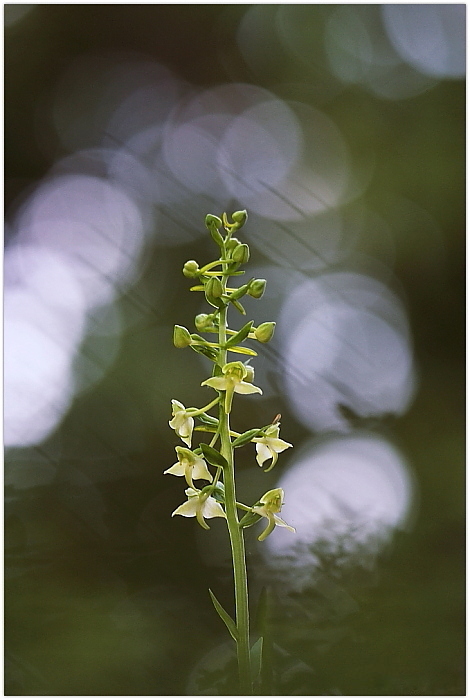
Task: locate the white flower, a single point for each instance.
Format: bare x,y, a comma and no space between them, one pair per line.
182,423
269,446
189,465
269,505
233,374
200,506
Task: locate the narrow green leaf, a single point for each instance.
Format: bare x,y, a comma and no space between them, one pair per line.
243,351
245,438
256,655
213,456
207,419
204,350
238,306
250,519
223,614
241,335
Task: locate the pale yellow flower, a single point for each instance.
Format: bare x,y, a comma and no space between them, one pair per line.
182,423
233,374
268,506
269,446
200,506
189,465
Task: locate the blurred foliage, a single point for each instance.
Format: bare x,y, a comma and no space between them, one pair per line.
104,594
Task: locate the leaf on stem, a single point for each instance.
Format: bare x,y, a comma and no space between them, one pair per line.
243,351
238,306
210,353
241,335
246,437
256,655
223,614
207,419
213,456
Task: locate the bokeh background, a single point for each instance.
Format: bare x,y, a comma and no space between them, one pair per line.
340,128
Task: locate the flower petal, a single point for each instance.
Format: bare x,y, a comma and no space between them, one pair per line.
177,469
212,509
279,521
263,453
219,383
246,388
277,444
200,470
188,509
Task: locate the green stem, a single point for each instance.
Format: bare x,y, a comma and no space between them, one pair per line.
199,411
236,533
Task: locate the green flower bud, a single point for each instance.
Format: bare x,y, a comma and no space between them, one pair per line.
213,223
240,217
190,268
265,331
214,287
212,220
241,253
257,288
213,291
203,322
181,337
232,243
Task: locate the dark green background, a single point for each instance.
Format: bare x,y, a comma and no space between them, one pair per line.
104,594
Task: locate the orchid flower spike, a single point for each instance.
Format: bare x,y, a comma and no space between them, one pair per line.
269,446
200,505
189,465
232,381
182,423
267,507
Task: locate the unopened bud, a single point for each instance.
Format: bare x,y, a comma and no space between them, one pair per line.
212,220
240,217
190,268
241,254
213,223
214,287
257,288
231,244
265,331
181,337
203,322
213,291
